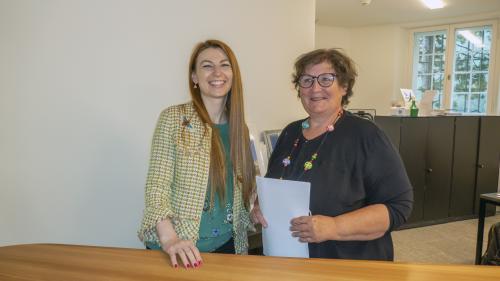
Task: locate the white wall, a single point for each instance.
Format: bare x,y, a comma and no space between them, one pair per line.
333,37
379,53
82,83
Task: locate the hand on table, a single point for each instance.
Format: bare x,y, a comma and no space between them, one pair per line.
185,249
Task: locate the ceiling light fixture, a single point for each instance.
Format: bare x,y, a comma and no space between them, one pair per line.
365,2
433,4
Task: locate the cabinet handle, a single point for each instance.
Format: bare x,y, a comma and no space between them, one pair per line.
480,166
429,170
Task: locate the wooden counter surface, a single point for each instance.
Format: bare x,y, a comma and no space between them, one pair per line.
69,262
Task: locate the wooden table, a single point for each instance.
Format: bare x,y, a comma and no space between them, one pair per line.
68,262
492,198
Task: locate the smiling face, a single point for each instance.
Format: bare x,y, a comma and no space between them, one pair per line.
213,73
321,101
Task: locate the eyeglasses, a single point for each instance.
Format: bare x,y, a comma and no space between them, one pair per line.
324,80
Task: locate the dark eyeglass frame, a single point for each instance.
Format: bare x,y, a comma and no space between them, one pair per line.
317,78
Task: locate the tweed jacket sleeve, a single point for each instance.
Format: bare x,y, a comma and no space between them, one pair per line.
160,175
178,173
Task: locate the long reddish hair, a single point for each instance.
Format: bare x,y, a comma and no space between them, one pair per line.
241,157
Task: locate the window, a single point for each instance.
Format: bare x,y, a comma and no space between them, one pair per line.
429,63
470,69
455,62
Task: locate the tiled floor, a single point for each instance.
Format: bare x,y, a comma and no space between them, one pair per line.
450,243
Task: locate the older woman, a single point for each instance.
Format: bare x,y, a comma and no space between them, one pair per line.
359,188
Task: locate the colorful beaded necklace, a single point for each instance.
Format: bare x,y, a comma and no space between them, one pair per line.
308,165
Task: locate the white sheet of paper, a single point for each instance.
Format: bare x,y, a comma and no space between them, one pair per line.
425,105
280,201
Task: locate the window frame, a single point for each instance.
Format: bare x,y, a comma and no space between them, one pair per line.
492,92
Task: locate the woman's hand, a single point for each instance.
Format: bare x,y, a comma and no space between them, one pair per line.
185,249
173,246
368,223
256,215
313,229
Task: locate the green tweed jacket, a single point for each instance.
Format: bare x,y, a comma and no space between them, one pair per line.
178,178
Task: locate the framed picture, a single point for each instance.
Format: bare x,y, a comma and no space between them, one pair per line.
253,150
270,139
408,96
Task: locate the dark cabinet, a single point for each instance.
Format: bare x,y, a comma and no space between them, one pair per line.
412,149
391,127
464,166
488,159
450,160
439,155
426,151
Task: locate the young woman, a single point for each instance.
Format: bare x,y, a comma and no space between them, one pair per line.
201,174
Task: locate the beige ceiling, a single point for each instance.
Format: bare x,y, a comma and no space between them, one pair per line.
350,13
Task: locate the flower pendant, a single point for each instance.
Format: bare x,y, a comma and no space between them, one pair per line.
286,161
308,165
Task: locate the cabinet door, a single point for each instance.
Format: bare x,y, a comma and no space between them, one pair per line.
391,127
488,158
439,156
464,166
412,148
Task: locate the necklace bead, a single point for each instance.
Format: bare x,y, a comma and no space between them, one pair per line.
308,165
286,161
305,124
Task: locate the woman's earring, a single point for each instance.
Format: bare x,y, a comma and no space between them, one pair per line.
195,85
